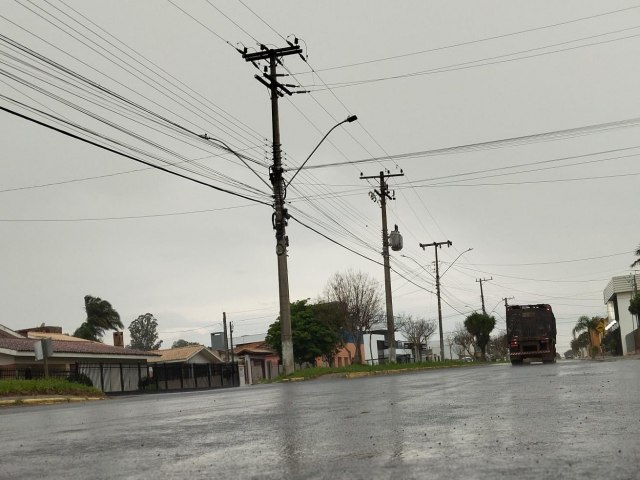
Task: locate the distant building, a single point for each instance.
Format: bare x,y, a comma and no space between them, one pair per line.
257,361
617,295
111,369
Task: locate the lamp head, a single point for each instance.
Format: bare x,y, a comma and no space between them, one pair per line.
352,118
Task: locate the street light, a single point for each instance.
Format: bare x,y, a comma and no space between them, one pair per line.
419,264
349,119
467,250
282,242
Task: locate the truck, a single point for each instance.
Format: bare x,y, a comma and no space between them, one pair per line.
531,333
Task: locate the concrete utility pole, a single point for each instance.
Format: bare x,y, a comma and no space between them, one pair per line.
438,245
635,292
225,339
506,300
280,215
482,293
383,195
231,332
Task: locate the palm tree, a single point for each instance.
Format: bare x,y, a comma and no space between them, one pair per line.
577,344
586,325
101,316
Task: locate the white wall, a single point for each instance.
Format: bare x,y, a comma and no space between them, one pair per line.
627,322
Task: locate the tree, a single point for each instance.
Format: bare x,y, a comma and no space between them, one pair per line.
498,345
480,325
183,343
637,262
463,340
101,316
359,297
416,332
580,343
586,325
144,335
634,305
314,331
451,341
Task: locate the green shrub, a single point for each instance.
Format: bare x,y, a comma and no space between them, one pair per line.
80,378
46,386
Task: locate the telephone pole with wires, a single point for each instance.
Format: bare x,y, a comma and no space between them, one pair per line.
269,79
384,195
436,246
480,280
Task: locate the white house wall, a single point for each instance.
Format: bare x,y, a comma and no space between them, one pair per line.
627,323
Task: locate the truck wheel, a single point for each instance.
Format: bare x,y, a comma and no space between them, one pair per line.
516,361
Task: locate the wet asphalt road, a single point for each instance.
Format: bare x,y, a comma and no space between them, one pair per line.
574,419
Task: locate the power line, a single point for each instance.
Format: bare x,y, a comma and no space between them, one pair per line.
491,144
539,162
229,118
476,63
98,87
334,241
128,217
90,142
552,263
471,42
533,182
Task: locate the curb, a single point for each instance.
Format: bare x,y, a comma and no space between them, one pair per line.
15,402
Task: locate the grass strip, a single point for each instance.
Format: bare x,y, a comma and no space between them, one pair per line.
46,386
315,372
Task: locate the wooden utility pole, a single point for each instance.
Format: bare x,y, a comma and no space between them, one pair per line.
383,195
436,246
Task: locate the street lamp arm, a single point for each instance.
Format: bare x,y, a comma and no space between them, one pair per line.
468,250
349,119
417,263
231,150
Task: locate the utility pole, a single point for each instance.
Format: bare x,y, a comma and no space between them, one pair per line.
280,216
383,195
482,293
231,332
226,342
436,246
635,292
506,300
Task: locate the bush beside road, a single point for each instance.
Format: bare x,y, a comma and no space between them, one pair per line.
39,391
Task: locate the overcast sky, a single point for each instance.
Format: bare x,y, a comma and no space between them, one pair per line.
551,218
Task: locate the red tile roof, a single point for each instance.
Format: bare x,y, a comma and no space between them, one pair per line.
256,348
65,346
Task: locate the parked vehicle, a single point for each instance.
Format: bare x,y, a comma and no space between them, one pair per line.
531,333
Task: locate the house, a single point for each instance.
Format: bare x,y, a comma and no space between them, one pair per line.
617,295
190,367
111,369
259,361
377,349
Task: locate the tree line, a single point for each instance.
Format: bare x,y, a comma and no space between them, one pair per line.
101,317
351,306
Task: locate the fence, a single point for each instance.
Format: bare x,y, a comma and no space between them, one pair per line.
139,377
29,372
